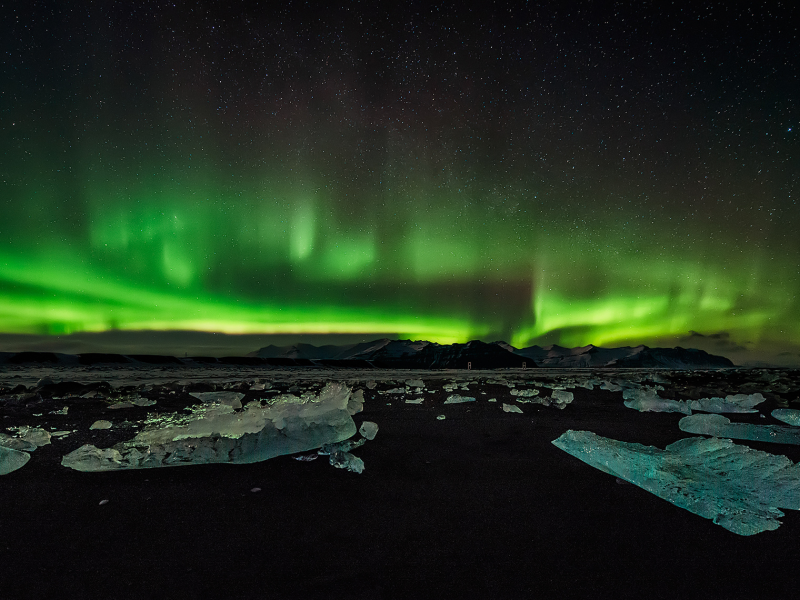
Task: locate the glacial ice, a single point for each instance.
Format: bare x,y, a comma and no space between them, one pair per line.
740,489
368,429
525,393
15,443
560,398
11,460
720,426
457,399
232,399
787,415
217,434
35,435
647,400
736,403
511,408
356,402
101,424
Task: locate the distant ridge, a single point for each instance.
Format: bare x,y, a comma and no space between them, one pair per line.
423,354
408,354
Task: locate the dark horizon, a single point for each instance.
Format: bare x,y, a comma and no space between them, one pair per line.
193,343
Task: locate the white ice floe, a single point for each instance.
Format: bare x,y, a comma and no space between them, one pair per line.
740,489
218,434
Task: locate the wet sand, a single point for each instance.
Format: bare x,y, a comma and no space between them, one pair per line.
478,505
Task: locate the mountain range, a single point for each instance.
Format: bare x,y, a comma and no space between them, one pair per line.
386,353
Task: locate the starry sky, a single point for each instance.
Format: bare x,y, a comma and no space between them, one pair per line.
571,173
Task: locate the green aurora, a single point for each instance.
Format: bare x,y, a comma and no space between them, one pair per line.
137,194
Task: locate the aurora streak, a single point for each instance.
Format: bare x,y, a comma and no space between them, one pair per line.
443,177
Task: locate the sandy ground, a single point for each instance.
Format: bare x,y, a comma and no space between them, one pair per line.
478,505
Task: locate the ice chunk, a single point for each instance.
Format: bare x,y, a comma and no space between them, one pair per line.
35,435
440,417
15,443
142,401
739,488
345,460
368,429
525,393
511,408
787,415
356,403
561,398
738,403
216,434
647,400
610,386
414,400
118,405
11,460
232,399
101,424
720,426
415,383
456,399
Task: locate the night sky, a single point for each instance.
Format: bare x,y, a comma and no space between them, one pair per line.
538,174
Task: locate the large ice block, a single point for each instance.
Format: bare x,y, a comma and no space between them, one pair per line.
218,434
720,426
787,415
734,403
647,400
739,488
11,460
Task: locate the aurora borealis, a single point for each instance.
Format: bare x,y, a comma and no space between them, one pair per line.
539,174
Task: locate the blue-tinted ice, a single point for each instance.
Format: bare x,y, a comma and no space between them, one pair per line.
740,489
720,426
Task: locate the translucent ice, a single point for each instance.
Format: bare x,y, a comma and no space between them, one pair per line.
525,393
368,429
647,400
738,403
356,402
35,435
101,424
739,488
511,408
561,398
218,434
232,399
787,415
456,399
720,426
15,443
11,460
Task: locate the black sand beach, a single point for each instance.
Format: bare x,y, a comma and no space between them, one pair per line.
477,505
